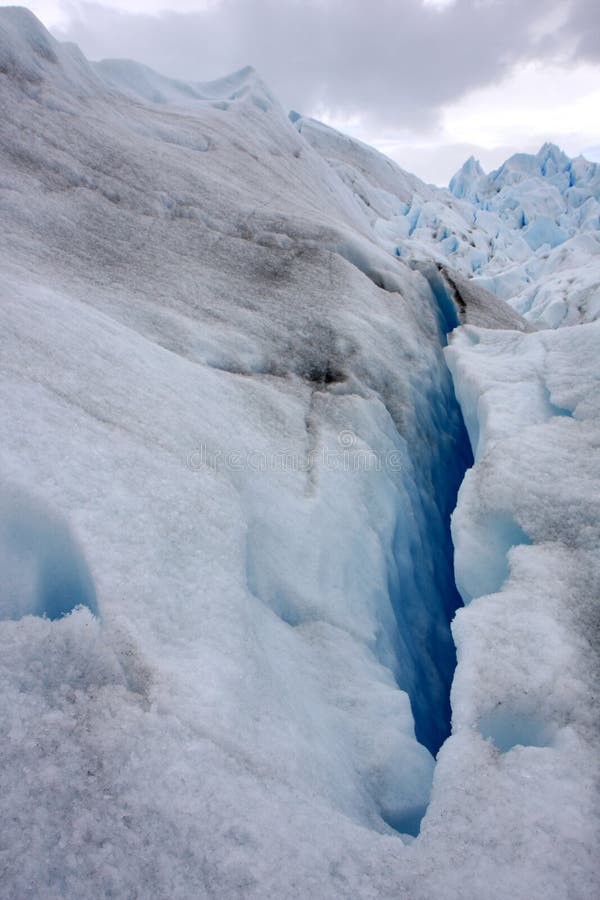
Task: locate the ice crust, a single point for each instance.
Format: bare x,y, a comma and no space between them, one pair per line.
226,417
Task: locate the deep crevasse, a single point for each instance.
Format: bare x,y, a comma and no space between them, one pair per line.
395,559
352,556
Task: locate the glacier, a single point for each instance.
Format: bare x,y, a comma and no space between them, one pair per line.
298,501
528,232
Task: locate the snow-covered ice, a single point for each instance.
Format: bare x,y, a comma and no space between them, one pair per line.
231,447
528,232
526,537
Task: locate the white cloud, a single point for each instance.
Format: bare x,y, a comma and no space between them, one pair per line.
438,4
535,103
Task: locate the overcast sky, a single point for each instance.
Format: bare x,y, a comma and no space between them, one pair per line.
427,81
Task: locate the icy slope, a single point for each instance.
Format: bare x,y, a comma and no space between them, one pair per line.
529,233
228,427
141,82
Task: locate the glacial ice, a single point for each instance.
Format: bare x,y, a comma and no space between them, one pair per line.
529,232
44,572
223,384
526,672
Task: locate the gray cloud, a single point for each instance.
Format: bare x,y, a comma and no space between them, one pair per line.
389,61
584,26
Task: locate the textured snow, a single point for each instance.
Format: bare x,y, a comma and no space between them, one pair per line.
231,444
526,532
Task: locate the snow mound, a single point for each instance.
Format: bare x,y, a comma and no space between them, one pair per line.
360,166
31,58
141,82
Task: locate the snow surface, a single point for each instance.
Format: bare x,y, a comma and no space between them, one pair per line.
231,447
